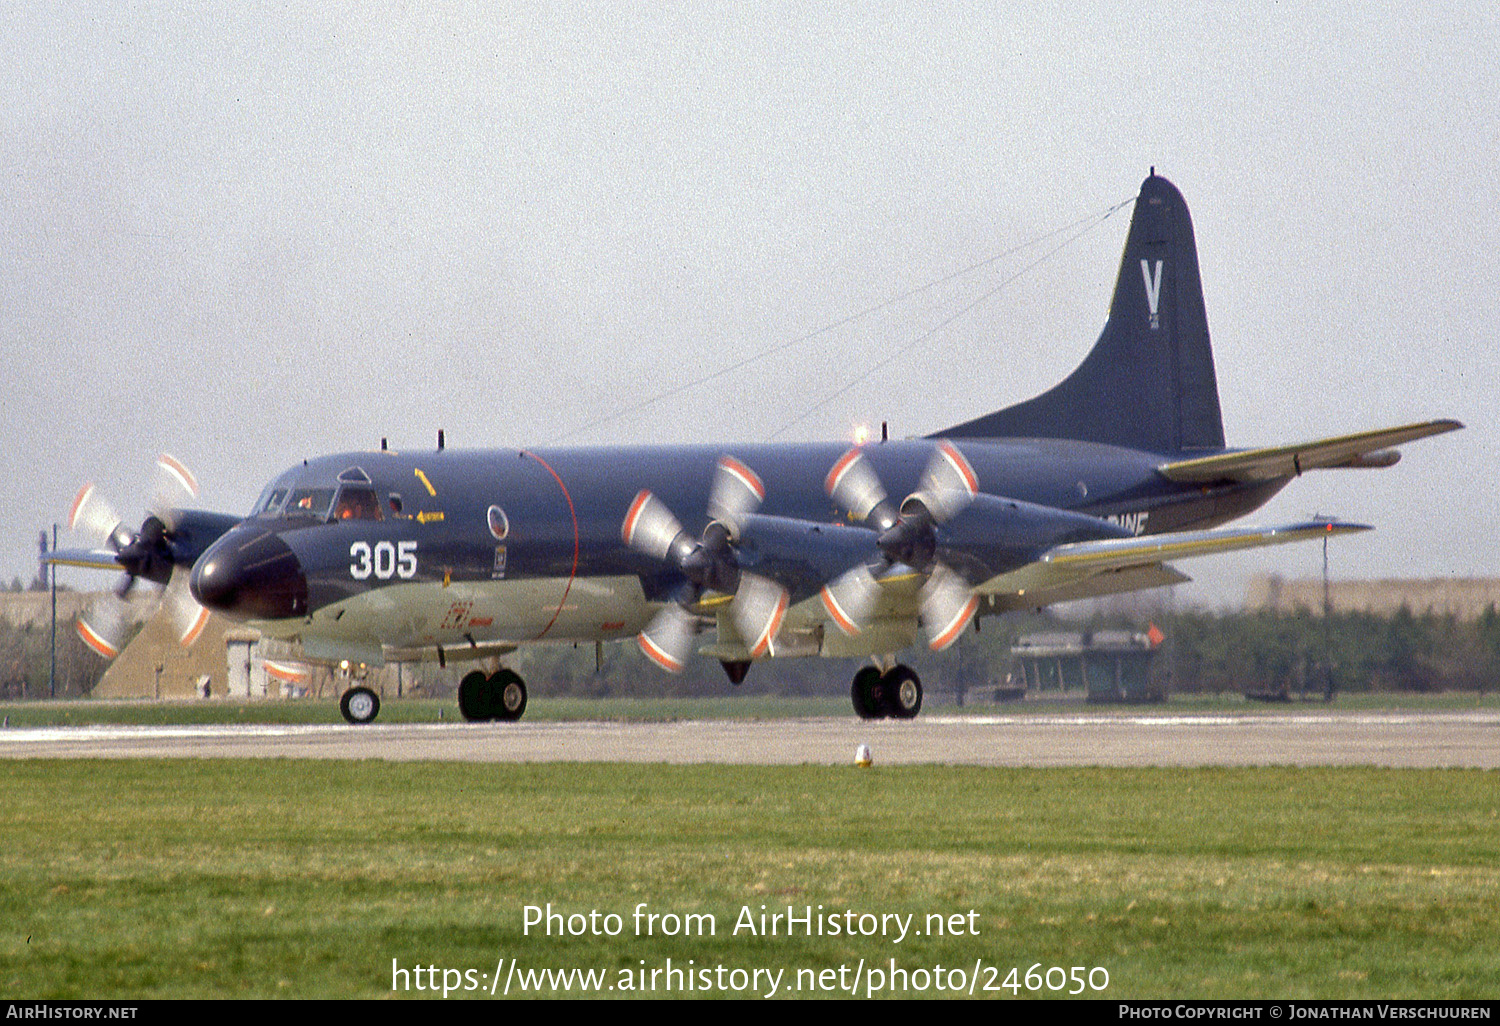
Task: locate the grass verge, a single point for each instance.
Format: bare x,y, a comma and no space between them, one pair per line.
229,878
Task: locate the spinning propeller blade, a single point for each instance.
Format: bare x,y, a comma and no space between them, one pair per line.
854,486
650,527
948,604
850,599
758,608
668,638
757,605
146,552
102,627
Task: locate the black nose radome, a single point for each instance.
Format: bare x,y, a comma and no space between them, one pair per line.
250,574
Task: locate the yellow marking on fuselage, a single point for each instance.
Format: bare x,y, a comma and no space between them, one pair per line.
425,517
423,478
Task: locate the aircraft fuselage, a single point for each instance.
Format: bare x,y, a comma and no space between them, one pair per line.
462,549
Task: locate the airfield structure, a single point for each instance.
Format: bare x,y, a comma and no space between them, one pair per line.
1102,666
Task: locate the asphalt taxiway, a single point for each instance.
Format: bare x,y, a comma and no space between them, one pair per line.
1311,739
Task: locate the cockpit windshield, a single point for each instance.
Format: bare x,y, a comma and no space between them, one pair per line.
269,503
308,496
309,502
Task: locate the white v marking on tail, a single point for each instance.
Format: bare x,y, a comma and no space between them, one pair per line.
1153,290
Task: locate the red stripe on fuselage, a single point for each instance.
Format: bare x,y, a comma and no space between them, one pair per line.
573,570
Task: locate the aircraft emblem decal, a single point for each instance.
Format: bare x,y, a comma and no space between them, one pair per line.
498,522
1153,290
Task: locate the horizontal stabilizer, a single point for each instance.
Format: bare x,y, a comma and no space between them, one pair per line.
1068,565
1367,449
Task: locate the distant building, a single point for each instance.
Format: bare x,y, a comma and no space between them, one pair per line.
1464,598
33,609
1103,666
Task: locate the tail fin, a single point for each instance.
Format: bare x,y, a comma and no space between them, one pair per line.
1149,382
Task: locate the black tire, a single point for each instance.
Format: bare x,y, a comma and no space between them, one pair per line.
474,697
867,693
903,693
360,705
507,695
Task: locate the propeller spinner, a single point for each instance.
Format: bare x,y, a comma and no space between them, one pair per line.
757,605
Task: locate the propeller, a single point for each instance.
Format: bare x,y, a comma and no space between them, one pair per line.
147,552
907,538
710,564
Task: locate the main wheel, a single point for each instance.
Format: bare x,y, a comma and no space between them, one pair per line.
360,705
867,693
903,693
474,696
507,695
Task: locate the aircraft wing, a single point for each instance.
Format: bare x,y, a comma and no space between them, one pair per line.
1366,449
1085,569
94,559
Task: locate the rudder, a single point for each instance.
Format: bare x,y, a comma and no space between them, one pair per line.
1149,381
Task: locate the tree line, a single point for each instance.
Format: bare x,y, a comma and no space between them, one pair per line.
1257,652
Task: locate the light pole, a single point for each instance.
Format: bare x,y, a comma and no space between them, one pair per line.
52,577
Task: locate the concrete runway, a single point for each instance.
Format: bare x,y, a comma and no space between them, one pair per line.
1306,739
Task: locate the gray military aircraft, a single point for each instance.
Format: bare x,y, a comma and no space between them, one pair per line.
785,550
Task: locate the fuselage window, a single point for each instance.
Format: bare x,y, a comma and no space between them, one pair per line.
356,503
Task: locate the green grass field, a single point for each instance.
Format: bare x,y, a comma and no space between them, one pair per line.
279,878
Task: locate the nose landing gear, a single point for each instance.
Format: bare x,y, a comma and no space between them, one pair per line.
360,705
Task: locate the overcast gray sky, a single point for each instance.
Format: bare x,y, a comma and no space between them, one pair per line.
245,235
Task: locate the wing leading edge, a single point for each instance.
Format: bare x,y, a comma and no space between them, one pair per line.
92,559
1366,449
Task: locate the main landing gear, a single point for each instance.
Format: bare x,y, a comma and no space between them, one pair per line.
896,693
496,696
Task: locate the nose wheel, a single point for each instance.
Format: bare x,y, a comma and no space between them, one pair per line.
896,693
498,696
360,705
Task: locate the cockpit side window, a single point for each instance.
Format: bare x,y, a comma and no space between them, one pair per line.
356,502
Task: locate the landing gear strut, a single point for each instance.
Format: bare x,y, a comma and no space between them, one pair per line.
498,696
896,693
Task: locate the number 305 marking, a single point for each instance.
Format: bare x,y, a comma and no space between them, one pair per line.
385,561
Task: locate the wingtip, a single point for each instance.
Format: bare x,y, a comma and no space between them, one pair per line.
1334,527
